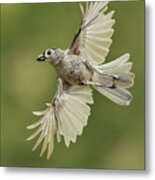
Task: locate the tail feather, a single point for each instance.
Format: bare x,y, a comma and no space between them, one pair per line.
118,95
115,77
115,63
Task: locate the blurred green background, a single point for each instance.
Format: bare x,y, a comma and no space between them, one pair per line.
114,137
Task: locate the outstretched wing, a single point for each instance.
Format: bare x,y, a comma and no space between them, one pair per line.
93,39
65,116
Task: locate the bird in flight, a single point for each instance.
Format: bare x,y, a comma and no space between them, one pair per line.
80,69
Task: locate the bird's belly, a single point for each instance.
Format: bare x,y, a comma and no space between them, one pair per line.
75,73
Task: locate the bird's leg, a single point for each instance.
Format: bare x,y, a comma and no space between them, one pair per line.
95,69
89,66
114,77
89,83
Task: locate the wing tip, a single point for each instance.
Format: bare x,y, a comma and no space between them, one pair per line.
28,139
37,113
112,12
82,9
126,56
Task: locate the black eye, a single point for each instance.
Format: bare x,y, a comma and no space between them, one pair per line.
49,52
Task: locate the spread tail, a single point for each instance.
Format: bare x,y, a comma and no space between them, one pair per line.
114,78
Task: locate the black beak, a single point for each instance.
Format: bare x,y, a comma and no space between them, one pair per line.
41,58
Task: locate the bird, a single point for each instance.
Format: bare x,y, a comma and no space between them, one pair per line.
80,69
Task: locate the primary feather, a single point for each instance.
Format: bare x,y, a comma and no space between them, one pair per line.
94,36
65,117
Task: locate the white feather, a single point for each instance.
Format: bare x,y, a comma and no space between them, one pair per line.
118,95
115,63
67,119
95,25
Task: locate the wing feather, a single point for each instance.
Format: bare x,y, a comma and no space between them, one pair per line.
93,39
75,112
65,117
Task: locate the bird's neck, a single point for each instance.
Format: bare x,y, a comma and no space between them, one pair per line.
58,59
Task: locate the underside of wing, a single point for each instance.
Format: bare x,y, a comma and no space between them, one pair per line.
93,39
72,116
65,116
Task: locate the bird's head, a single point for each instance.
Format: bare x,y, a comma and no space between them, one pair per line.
54,56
